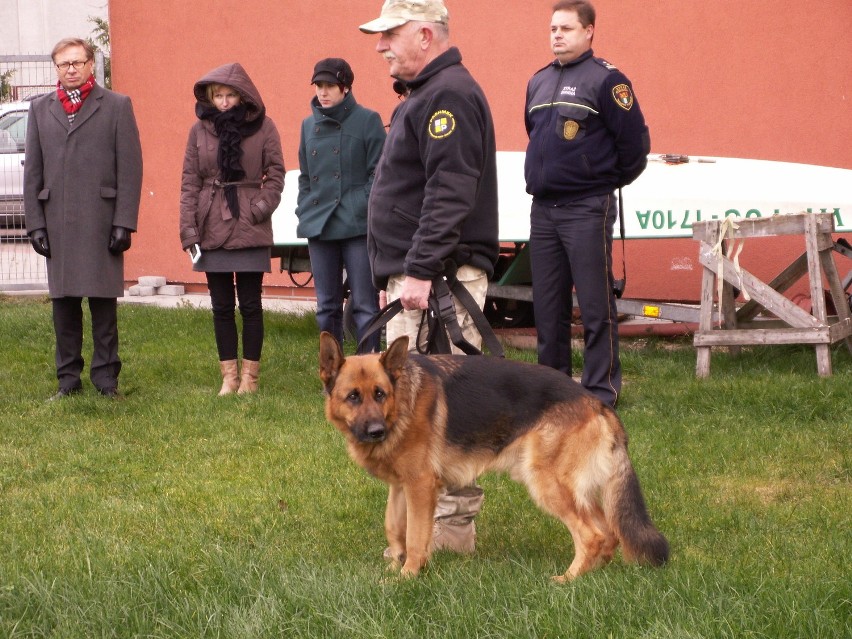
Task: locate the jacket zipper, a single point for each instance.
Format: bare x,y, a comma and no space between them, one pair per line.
550,123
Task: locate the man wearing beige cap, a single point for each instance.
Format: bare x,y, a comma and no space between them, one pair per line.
433,205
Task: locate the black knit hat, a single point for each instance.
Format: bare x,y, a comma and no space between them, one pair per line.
334,70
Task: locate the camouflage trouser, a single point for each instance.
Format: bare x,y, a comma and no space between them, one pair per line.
454,528
475,280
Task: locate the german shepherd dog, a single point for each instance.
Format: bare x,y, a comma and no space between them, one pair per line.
420,423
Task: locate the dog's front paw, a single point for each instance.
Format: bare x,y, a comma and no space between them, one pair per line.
394,556
396,573
393,566
411,569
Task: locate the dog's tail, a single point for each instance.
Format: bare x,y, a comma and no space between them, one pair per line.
625,508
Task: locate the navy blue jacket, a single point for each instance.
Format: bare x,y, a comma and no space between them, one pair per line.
587,135
435,193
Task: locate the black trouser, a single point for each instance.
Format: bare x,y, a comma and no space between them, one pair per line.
68,326
571,247
249,291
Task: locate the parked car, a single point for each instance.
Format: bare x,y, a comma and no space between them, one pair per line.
13,133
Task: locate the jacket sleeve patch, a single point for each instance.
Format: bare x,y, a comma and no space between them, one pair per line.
623,96
441,125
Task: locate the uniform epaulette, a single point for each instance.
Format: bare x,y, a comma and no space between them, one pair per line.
606,65
546,66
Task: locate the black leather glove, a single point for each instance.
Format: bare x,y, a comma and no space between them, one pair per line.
38,239
119,240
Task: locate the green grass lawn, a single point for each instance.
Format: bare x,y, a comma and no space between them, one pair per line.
176,513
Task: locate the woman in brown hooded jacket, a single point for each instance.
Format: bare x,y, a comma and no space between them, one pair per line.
233,176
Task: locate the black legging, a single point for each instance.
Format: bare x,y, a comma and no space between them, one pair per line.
249,292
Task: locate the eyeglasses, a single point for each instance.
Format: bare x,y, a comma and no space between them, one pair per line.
77,64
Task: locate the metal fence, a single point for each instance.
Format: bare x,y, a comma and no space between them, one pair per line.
26,76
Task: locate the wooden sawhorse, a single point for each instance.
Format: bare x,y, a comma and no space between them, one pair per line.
794,325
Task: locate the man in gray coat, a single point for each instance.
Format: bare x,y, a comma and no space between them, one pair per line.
82,184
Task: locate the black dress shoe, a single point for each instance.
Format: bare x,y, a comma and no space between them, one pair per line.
65,392
112,392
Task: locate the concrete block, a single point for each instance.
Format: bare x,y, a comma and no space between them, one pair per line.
142,291
170,289
152,280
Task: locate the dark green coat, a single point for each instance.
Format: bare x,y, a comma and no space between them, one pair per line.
338,153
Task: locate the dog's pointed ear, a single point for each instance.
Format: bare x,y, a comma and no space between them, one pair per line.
394,358
331,359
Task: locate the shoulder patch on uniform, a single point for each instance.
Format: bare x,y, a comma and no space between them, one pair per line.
546,66
606,64
441,124
623,96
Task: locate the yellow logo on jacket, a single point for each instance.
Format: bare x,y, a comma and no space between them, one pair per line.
441,124
623,96
569,129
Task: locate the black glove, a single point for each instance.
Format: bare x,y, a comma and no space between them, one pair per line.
119,240
38,239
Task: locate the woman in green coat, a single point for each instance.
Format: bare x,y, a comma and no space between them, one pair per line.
339,149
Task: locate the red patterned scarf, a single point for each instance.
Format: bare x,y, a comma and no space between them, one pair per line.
73,100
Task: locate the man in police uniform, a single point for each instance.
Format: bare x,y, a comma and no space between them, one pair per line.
587,138
434,197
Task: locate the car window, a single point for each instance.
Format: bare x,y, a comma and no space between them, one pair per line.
7,119
7,143
13,126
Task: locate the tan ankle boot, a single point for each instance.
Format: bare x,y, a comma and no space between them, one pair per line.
230,379
248,377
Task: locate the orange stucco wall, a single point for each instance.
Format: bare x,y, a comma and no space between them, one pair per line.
751,79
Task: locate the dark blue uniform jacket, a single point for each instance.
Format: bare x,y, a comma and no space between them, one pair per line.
587,135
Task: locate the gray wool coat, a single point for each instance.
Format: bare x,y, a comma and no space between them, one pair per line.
79,182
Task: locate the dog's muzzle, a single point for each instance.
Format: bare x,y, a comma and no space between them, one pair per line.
371,432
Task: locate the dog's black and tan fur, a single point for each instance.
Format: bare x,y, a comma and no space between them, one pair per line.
421,422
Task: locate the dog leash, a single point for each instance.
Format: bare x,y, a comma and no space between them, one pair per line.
380,319
440,319
445,289
618,286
